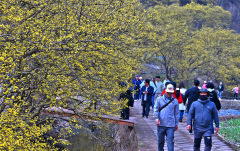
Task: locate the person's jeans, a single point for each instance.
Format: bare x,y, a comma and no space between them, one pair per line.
153,98
146,108
169,133
235,96
207,141
181,115
220,94
140,96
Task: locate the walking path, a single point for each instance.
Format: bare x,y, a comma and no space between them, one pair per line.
146,132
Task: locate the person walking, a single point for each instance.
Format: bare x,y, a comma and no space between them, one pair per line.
165,82
191,95
202,113
214,98
177,95
204,86
152,83
213,95
182,107
235,91
147,92
159,88
136,82
141,81
220,90
166,112
125,110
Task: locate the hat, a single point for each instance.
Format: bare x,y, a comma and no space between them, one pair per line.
170,88
140,78
137,75
203,90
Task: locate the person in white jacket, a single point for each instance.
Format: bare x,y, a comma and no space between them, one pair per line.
182,107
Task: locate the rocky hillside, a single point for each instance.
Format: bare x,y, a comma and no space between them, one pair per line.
234,7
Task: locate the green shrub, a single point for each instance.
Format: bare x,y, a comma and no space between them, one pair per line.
230,130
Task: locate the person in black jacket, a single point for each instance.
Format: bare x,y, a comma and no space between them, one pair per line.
213,98
147,92
125,110
192,95
220,90
136,82
213,95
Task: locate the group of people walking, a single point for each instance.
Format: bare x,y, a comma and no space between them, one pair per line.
220,90
201,103
170,101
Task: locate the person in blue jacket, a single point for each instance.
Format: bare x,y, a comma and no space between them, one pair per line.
167,118
147,92
203,112
220,90
136,82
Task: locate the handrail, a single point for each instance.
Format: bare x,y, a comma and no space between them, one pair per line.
85,116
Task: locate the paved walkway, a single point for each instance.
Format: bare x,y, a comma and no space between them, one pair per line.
146,132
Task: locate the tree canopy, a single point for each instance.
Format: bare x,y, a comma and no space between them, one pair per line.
191,41
52,51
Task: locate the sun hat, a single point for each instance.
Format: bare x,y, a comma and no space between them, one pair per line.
170,88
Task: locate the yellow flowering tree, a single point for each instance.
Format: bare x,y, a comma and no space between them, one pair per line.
191,41
52,51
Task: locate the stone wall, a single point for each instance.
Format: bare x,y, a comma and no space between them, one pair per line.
126,139
230,104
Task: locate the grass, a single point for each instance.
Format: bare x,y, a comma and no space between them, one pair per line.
230,130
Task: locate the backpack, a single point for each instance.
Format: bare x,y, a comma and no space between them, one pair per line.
178,93
211,96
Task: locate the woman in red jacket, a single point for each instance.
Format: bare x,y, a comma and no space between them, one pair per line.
177,95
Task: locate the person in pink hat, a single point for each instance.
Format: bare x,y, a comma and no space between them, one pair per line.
235,91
